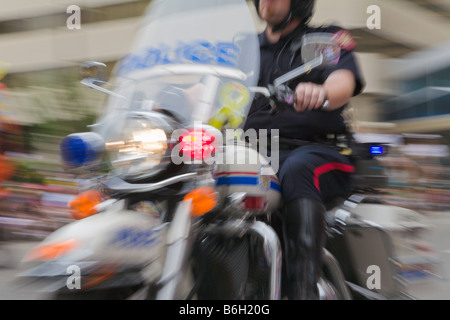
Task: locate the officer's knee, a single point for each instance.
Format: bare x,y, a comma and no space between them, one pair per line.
297,168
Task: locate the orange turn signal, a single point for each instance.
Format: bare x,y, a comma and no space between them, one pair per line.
204,199
51,251
84,204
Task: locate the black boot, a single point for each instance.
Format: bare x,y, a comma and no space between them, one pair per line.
304,237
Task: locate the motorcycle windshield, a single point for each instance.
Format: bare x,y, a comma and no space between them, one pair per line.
194,60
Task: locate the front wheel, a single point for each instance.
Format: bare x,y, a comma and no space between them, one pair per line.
221,267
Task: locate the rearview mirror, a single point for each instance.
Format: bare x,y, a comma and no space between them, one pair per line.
319,44
94,75
317,49
94,71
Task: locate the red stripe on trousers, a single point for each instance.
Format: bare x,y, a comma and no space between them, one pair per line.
328,167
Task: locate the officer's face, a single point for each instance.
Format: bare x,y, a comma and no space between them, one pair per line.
274,11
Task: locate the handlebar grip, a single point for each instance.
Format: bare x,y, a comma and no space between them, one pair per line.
275,108
324,105
285,94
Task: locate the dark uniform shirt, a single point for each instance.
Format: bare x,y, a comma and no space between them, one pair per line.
278,59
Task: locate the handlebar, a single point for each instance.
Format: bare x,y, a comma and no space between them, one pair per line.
283,94
280,92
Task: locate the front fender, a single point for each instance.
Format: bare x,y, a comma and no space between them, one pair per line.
111,242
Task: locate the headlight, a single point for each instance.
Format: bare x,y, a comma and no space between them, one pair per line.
139,147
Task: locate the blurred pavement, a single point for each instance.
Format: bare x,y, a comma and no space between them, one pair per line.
435,287
10,257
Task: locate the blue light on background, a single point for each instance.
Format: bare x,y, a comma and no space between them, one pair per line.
375,150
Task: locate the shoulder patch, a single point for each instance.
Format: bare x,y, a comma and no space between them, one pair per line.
344,39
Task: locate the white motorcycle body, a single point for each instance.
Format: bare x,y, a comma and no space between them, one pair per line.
124,236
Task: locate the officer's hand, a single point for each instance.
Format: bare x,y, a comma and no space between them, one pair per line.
309,96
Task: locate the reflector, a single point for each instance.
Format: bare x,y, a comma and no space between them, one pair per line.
203,199
255,202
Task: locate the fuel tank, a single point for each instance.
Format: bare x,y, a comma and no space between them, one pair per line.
246,170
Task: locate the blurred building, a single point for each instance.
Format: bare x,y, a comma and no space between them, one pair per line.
405,62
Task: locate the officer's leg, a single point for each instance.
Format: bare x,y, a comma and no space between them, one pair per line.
303,230
303,221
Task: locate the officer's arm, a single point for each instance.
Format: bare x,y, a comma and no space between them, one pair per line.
340,86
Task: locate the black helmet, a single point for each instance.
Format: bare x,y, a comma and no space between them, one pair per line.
302,9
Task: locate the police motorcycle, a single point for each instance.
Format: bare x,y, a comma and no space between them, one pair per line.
183,210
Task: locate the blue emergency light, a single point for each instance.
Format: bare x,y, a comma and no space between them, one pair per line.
80,149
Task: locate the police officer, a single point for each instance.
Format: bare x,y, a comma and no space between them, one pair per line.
314,173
